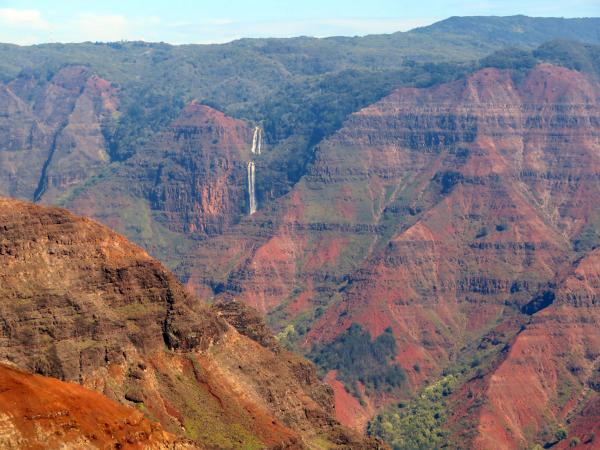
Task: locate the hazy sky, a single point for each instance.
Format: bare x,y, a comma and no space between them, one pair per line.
204,21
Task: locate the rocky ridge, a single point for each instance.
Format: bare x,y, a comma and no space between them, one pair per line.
53,132
450,214
82,304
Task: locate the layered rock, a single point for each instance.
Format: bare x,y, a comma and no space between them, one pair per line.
82,304
439,212
200,182
189,182
549,378
53,132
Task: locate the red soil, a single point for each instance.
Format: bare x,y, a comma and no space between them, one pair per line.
43,413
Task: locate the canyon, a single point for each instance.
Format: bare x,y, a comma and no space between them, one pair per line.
52,133
446,214
445,232
82,304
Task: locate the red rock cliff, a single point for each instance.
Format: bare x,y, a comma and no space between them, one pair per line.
52,132
82,304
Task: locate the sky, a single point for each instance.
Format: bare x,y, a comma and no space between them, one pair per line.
27,22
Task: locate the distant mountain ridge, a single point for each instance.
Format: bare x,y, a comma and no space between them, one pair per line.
517,30
426,206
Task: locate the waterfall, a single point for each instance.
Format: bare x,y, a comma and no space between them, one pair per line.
255,150
251,189
259,140
256,141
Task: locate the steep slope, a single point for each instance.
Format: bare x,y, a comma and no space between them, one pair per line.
191,181
43,413
549,378
493,218
300,89
82,304
441,213
52,131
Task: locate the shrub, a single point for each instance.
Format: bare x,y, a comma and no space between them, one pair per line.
483,232
417,425
358,358
561,434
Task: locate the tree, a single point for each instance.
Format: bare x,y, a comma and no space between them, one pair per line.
561,434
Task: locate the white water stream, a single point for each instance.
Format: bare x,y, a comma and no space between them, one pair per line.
255,150
251,188
256,141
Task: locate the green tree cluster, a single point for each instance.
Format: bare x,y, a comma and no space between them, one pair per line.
359,359
417,425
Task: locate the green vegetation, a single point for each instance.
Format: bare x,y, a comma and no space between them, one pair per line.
514,30
146,111
588,238
203,420
418,424
302,112
358,359
511,58
501,227
483,232
561,434
570,54
300,89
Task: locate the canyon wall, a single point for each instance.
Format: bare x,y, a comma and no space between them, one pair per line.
82,304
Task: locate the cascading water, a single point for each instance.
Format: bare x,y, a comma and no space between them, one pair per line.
251,188
258,148
255,150
256,141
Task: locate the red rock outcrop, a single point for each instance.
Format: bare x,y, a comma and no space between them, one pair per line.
549,378
200,184
189,182
82,304
44,413
439,212
52,132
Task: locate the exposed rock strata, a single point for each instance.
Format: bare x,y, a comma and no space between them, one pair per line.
439,212
52,132
82,304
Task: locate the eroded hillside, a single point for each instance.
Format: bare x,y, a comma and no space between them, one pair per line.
82,304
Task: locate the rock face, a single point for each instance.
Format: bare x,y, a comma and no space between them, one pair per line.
476,213
200,178
463,216
188,183
44,413
52,132
450,214
82,304
550,375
